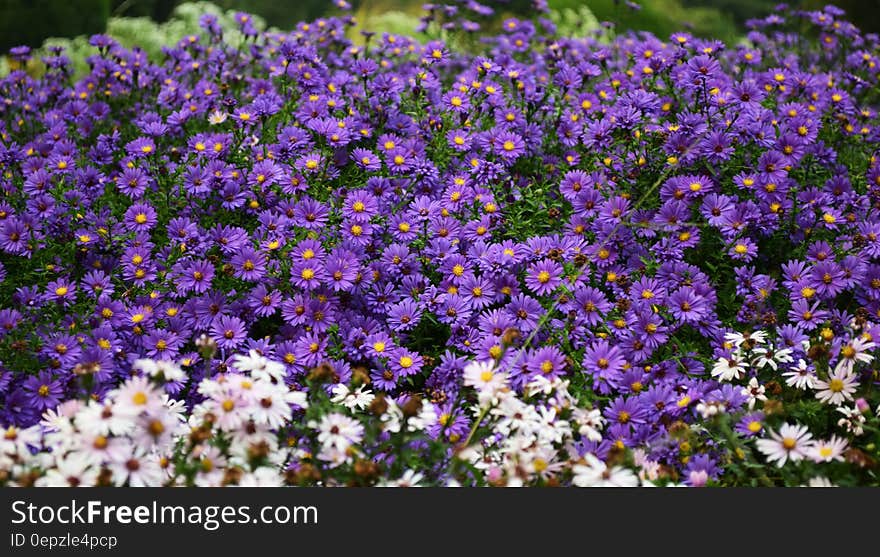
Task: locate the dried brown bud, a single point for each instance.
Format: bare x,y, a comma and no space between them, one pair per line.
324,373
773,406
438,396
379,406
232,476
366,469
510,336
258,451
817,352
412,406
859,457
359,376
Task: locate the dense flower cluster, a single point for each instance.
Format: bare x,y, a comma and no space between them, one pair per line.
535,260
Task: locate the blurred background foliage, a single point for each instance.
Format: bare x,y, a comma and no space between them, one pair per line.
151,23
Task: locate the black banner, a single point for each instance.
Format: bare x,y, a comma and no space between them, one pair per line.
396,521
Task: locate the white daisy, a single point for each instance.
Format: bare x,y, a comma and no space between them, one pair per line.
738,339
103,419
800,376
852,352
820,481
259,367
754,391
853,420
410,478
74,470
826,451
338,431
589,423
596,473
138,468
135,396
728,369
161,369
486,379
838,389
791,443
356,399
217,117
261,477
768,356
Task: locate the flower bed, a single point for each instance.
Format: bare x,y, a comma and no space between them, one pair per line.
523,260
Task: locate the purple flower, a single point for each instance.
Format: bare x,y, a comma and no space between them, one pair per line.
43,391
228,332
544,276
195,276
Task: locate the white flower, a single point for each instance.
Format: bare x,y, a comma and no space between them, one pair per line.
800,376
357,399
852,420
410,478
426,417
14,441
728,369
791,443
767,356
217,117
596,473
855,351
273,407
103,419
737,339
339,432
136,396
486,379
589,422
138,468
820,481
826,451
259,367
754,391
74,470
163,369
839,388
712,408
262,477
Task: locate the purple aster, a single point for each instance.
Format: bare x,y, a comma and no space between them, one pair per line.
547,361
603,360
686,305
405,362
625,411
249,264
43,391
228,332
140,216
544,276
194,276
404,315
